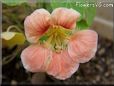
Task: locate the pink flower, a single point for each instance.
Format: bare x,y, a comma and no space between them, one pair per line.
60,53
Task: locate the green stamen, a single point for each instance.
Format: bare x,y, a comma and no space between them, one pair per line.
56,38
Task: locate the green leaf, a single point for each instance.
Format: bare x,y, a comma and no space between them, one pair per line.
13,2
11,39
82,24
87,13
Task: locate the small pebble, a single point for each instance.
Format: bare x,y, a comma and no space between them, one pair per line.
38,78
99,68
101,51
107,74
78,78
103,59
97,78
13,82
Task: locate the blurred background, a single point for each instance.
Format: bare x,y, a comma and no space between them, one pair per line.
100,70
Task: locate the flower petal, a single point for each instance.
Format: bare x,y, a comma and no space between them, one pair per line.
83,45
55,65
65,17
35,57
68,67
36,24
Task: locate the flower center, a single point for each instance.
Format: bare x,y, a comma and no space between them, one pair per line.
56,37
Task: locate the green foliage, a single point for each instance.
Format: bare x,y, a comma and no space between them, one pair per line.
87,12
82,24
13,2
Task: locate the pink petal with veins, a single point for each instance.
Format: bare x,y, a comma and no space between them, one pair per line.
68,66
83,45
36,24
35,57
55,65
65,17
62,66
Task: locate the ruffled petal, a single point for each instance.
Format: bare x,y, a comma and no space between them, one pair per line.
65,17
68,66
62,66
36,24
35,58
55,65
83,45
